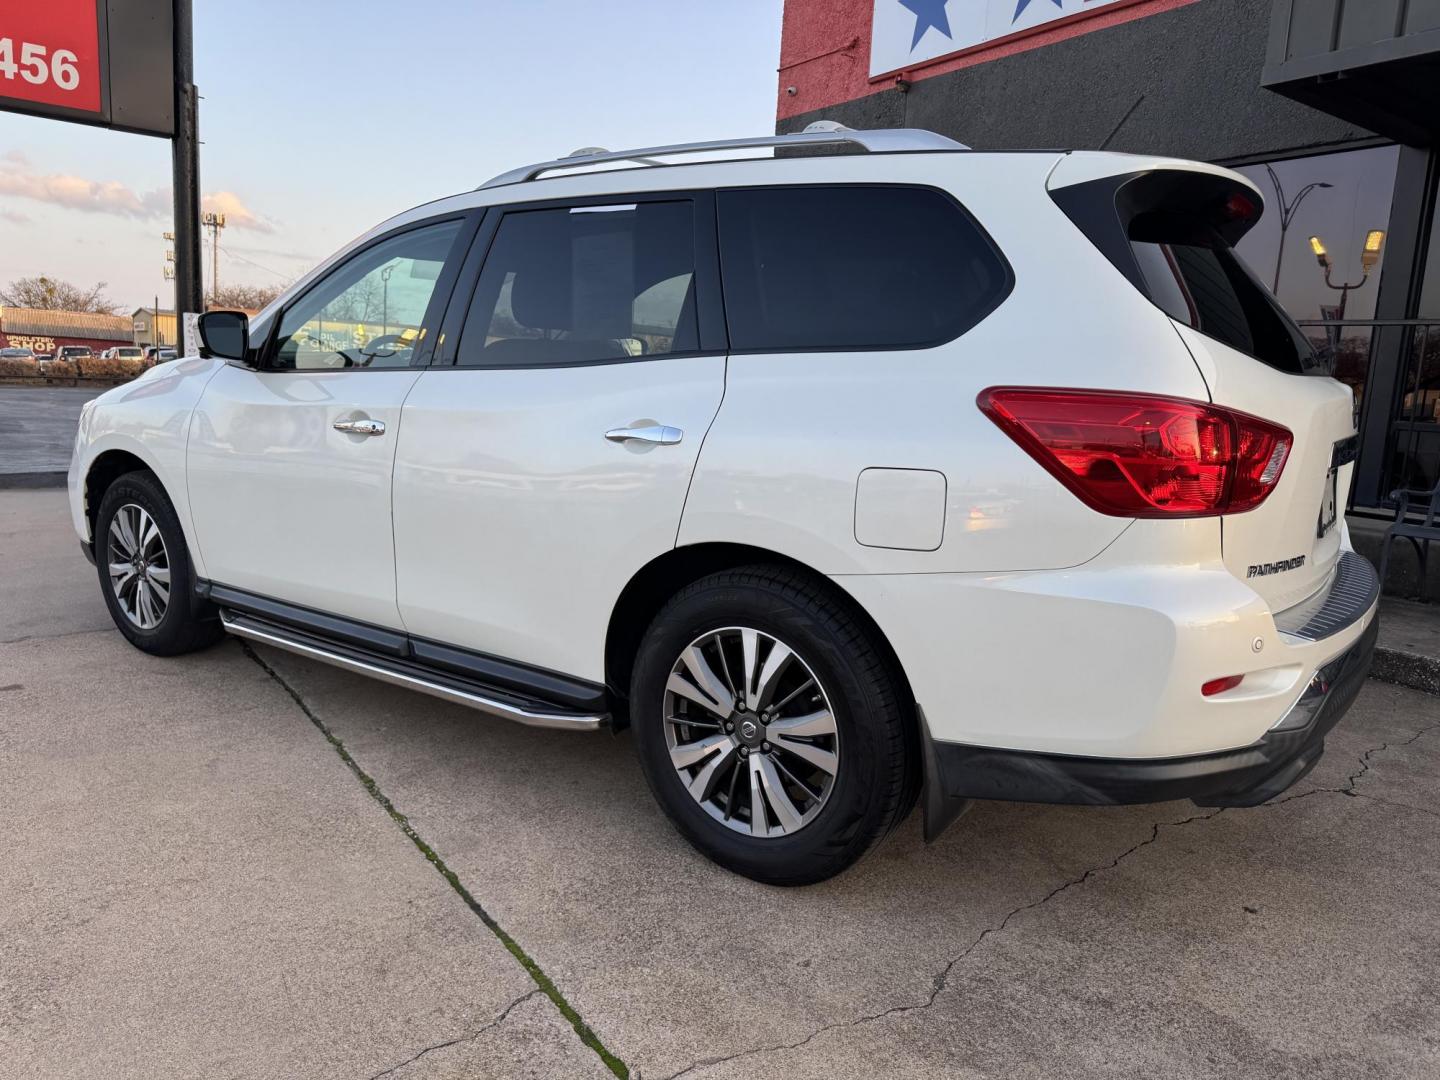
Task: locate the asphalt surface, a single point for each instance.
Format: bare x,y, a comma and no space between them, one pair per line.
229,865
37,426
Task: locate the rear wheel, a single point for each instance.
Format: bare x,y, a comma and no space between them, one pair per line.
145,570
770,727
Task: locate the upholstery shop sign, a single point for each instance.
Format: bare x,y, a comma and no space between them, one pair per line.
910,32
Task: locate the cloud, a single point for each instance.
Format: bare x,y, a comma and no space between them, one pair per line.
236,212
18,179
15,217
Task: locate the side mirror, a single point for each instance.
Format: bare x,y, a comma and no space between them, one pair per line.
226,334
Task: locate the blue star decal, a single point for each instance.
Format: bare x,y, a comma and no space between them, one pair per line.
1023,4
930,13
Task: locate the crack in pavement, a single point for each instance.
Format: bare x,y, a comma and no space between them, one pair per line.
56,637
543,982
504,1015
1365,762
941,980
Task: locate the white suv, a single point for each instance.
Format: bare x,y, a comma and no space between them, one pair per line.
843,479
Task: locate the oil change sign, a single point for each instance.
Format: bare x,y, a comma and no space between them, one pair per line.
50,55
906,33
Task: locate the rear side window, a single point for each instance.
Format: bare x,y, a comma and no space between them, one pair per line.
1198,280
577,285
853,268
1170,232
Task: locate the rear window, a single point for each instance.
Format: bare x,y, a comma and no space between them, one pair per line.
1195,276
853,268
585,284
1171,233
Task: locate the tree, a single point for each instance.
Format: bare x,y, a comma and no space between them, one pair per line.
247,297
55,295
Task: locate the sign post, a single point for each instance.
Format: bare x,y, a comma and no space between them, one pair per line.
189,289
121,64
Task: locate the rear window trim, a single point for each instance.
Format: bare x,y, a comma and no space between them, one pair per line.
1001,295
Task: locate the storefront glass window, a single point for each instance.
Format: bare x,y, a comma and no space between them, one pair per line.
1342,200
1415,435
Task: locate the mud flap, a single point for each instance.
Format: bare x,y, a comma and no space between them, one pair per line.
939,808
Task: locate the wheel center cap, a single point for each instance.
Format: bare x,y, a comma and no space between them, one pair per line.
750,731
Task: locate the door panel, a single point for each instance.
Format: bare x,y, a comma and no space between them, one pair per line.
289,467
517,520
517,523
287,506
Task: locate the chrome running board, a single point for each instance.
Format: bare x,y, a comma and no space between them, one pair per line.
447,689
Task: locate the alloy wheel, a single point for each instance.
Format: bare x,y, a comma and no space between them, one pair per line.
139,566
750,732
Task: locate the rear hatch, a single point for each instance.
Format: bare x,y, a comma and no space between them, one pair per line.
1170,228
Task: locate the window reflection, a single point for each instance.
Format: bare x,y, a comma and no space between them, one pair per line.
1414,461
1317,246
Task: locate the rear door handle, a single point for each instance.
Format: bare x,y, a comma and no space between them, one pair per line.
655,433
360,427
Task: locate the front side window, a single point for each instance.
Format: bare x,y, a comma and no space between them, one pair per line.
370,311
853,268
578,285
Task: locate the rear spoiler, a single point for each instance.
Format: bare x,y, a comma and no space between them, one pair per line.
1115,208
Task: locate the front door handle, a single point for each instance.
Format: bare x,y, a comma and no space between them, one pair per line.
360,427
655,433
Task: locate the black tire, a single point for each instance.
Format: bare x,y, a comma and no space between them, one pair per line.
877,779
185,626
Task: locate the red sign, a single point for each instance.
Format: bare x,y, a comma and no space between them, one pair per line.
50,53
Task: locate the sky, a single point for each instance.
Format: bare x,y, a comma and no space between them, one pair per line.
320,119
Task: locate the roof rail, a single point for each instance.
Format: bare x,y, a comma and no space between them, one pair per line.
820,133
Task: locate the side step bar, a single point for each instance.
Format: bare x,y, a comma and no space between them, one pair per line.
409,676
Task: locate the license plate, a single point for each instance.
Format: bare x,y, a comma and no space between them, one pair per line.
1329,504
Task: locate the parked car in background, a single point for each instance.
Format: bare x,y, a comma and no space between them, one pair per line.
13,353
123,352
159,354
73,352
842,480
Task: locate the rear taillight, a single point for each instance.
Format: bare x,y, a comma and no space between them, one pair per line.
1140,455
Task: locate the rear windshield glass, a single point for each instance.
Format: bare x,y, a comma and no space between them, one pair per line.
1194,275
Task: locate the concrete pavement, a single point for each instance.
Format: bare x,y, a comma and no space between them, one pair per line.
37,429
201,884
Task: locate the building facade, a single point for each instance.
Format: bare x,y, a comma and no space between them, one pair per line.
44,330
154,326
1332,108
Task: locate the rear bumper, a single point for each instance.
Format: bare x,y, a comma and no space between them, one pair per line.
1246,776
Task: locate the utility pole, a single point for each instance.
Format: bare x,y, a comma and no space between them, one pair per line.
214,222
185,158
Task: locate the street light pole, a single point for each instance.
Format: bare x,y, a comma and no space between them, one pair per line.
1287,215
1369,259
385,298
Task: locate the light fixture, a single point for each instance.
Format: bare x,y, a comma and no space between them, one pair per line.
1318,247
1374,245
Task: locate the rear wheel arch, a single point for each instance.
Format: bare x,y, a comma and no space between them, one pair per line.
654,584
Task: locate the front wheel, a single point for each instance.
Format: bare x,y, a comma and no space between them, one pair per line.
145,570
770,726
